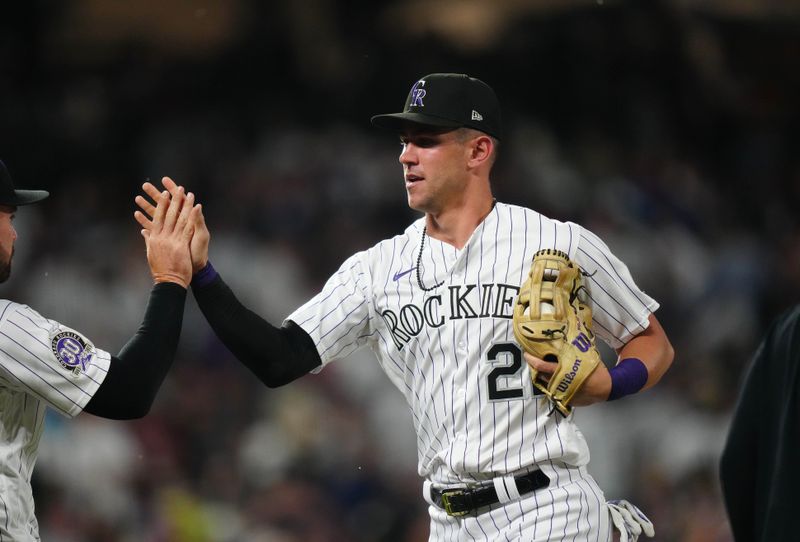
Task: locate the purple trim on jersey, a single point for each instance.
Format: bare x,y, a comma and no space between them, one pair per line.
205,276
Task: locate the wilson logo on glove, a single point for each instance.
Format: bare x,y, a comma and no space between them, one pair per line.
569,377
582,343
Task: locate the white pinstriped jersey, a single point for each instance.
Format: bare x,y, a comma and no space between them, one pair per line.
452,352
42,363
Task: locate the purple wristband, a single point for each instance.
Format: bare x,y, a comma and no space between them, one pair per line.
205,276
628,377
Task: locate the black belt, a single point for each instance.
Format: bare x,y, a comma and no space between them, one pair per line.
462,501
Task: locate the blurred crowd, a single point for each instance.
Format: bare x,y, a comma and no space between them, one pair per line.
667,130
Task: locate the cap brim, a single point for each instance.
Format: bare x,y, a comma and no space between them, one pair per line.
25,197
396,121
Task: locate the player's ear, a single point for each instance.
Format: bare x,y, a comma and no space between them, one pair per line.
481,148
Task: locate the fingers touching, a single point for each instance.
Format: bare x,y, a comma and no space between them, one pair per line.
173,210
148,207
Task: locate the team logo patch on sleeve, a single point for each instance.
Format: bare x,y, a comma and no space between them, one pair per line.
74,352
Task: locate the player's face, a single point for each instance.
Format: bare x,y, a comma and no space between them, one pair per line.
7,237
434,167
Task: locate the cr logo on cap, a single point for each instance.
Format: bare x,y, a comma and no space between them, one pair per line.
417,94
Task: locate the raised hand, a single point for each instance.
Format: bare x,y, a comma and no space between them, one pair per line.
201,236
167,236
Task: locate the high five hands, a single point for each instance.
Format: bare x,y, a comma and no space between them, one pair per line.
200,237
168,228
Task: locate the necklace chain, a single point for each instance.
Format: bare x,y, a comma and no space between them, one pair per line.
419,263
419,256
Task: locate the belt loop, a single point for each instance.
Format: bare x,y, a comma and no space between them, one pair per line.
506,488
426,492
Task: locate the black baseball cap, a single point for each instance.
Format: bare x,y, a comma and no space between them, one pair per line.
13,197
447,100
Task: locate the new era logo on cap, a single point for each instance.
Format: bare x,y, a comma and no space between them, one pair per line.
447,100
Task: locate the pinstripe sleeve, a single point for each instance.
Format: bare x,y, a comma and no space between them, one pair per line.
620,309
338,319
48,360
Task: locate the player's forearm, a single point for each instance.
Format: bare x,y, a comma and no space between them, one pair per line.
136,373
276,356
654,350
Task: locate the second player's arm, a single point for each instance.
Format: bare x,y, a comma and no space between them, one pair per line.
276,355
136,373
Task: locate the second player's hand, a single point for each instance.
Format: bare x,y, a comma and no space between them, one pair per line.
200,237
595,389
167,238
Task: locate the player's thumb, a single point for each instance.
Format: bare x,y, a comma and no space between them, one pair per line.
194,223
197,216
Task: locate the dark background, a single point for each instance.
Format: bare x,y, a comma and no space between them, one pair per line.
667,127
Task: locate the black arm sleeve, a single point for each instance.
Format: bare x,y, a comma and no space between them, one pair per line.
276,356
136,373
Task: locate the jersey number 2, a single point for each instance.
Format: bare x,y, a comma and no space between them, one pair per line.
512,370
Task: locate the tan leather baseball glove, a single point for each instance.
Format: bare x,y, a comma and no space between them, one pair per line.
552,323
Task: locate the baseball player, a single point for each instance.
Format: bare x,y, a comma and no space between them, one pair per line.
435,304
45,363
